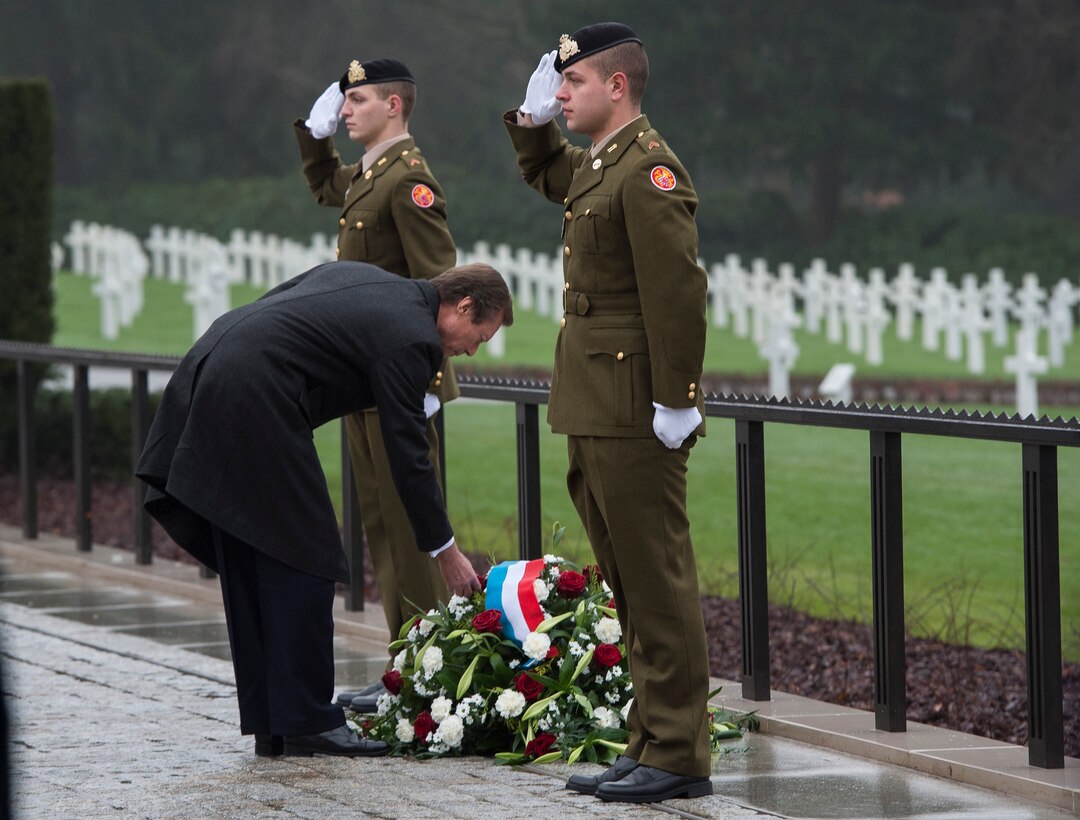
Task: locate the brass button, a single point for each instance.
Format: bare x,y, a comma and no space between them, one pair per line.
438,382
438,375
620,355
567,199
337,253
566,250
359,224
566,286
691,394
383,161
640,134
405,153
367,174
341,222
693,386
568,215
588,211
562,322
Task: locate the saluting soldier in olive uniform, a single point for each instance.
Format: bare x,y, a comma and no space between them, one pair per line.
393,215
625,386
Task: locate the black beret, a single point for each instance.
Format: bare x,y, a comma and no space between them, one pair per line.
373,72
590,40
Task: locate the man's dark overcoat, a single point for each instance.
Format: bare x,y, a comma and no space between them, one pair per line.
231,443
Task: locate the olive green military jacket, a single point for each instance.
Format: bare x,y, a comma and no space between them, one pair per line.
392,216
633,330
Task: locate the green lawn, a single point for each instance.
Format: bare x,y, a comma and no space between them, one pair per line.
962,503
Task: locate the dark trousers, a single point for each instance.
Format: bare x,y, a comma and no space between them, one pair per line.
281,632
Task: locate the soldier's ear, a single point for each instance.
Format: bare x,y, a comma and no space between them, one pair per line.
466,306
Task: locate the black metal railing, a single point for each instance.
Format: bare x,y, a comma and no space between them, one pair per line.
1039,440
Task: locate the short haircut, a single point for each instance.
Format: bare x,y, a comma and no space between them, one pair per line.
631,60
404,89
483,284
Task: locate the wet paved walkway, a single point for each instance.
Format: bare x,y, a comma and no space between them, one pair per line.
123,704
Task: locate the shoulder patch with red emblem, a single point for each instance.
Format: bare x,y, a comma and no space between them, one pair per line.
423,196
662,177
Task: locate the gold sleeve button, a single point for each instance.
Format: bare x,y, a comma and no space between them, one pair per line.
569,215
367,174
566,286
438,375
691,394
693,386
359,224
438,382
620,355
566,250
562,322
341,222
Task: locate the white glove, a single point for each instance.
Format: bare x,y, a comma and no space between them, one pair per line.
540,95
326,113
673,426
431,404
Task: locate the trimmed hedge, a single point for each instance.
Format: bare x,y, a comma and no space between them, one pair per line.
26,177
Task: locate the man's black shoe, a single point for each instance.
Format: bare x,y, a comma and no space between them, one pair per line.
339,742
345,698
269,745
586,784
367,702
648,785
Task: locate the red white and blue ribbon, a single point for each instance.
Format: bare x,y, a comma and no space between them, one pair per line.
510,590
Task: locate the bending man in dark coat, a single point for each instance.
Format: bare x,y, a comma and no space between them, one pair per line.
235,479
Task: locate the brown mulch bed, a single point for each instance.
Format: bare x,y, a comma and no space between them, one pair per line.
977,691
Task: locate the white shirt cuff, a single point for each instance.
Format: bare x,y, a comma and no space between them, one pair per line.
444,547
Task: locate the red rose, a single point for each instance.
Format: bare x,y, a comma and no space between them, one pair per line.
425,724
392,681
553,652
483,580
529,686
541,745
611,603
490,620
570,584
607,654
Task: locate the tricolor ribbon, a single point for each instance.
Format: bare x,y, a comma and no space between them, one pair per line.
510,590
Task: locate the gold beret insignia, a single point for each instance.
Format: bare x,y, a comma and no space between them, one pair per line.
356,72
567,47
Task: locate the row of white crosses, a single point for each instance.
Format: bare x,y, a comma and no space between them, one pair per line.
116,260
761,305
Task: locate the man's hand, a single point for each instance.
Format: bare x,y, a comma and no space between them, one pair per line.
673,426
326,113
457,572
431,404
540,100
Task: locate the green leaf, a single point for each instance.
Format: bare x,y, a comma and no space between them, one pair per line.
538,707
617,747
549,757
575,754
581,664
551,622
466,678
584,701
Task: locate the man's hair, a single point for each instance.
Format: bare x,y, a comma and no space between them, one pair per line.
405,90
483,284
631,60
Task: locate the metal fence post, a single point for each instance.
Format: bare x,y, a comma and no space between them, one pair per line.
80,451
887,548
528,470
753,564
140,426
1042,608
27,452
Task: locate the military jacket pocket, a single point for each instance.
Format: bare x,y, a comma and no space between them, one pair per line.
361,235
619,365
593,232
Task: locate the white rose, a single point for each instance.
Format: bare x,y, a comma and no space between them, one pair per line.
540,590
535,645
405,731
605,718
608,630
440,708
451,731
433,660
510,703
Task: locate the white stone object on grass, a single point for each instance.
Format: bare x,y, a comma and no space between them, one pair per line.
905,293
1059,321
814,294
737,295
877,315
836,386
1026,364
997,297
974,323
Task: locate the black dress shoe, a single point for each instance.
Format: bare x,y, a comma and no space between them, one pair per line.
345,698
339,742
586,784
269,745
648,785
367,702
